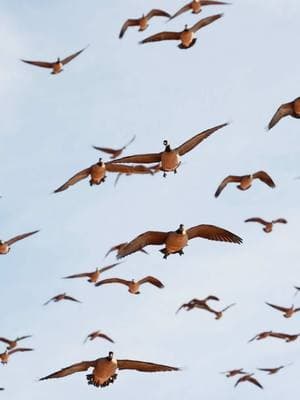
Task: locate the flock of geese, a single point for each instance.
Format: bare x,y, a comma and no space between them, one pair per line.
167,160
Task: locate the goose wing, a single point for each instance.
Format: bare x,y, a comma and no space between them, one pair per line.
154,281
4,340
144,366
139,159
109,267
76,178
205,21
112,280
72,369
19,349
71,299
127,169
70,58
129,22
280,220
197,139
224,183
182,10
42,64
279,308
213,232
20,237
81,275
107,150
158,37
254,381
257,219
157,13
145,239
283,111
102,335
264,177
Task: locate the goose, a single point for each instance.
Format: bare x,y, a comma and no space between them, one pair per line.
196,6
175,241
272,371
245,181
285,336
97,173
197,303
92,276
153,169
133,285
117,247
186,37
233,372
262,335
60,297
288,312
56,66
97,334
13,343
219,314
142,22
169,159
292,109
104,369
4,357
114,152
248,378
268,226
5,245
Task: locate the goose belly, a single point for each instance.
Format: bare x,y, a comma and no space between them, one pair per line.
176,242
4,248
169,161
196,7
186,38
97,173
297,108
104,370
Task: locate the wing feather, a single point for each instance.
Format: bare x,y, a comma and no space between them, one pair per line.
144,366
264,177
162,36
129,22
205,21
70,58
112,280
42,64
257,219
283,111
213,232
151,279
224,183
76,178
157,13
20,237
145,239
72,369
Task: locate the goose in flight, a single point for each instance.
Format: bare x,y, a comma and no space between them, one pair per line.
248,378
196,6
272,371
105,368
93,276
13,343
98,334
114,153
133,285
169,159
4,357
245,181
268,225
186,37
175,241
60,297
143,21
56,66
288,312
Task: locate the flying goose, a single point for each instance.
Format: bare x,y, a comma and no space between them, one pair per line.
262,335
133,286
197,303
233,372
186,37
268,226
98,334
272,371
285,336
245,181
117,247
56,66
104,369
142,22
219,314
97,173
288,312
153,169
13,343
5,245
62,296
292,109
196,6
248,378
170,159
92,276
175,241
4,357
114,152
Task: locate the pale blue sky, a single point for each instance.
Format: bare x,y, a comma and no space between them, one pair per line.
241,68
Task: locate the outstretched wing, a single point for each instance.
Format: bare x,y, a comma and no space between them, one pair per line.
108,267
139,159
21,349
129,22
256,219
145,239
255,382
72,369
197,139
127,169
182,10
153,281
224,183
72,299
20,237
264,177
82,275
112,280
157,13
76,178
42,64
70,58
144,366
162,36
279,308
108,150
213,232
280,220
102,335
283,111
4,340
205,21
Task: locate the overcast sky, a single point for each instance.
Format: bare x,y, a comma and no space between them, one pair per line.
240,70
